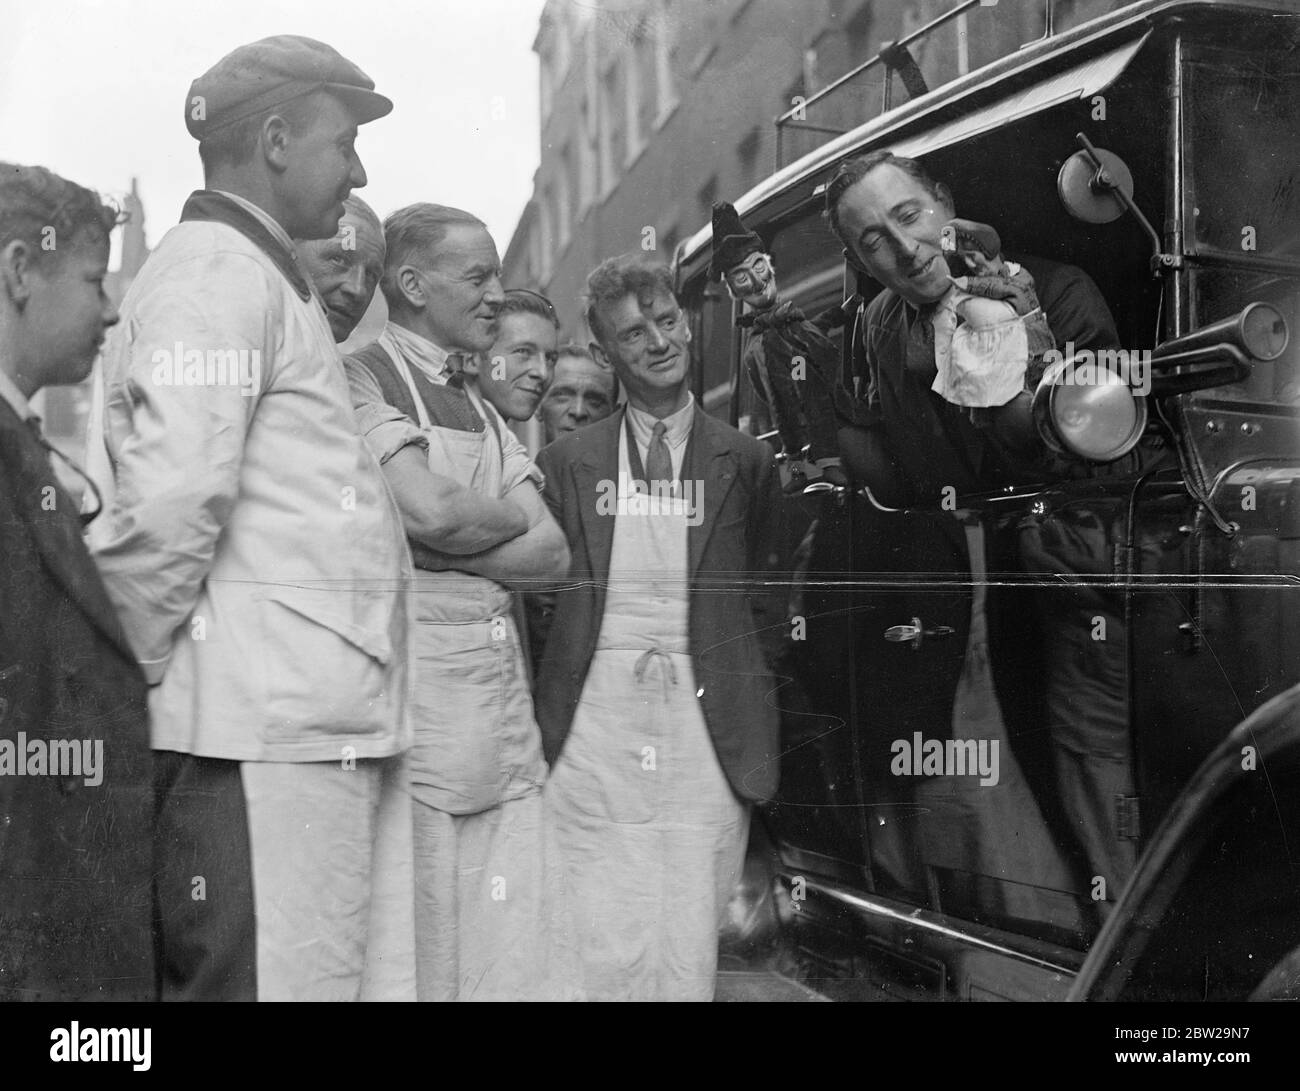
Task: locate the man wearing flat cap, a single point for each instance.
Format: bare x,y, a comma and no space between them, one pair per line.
254,553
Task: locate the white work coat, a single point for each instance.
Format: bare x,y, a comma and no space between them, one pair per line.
249,541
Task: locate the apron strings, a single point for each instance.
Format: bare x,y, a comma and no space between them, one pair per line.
643,664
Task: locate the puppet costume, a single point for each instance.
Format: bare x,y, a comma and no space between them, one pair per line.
790,360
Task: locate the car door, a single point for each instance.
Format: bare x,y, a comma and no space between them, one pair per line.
1213,909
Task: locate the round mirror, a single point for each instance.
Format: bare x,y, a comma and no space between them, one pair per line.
1083,197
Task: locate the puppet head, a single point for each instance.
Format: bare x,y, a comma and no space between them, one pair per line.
740,260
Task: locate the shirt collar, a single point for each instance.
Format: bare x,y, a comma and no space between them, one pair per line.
277,232
17,399
431,359
678,424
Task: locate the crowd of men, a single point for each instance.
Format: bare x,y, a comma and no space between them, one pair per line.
389,709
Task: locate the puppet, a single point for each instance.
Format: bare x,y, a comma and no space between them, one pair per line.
990,334
789,359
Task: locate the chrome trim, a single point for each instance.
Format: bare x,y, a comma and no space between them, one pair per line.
926,921
1176,225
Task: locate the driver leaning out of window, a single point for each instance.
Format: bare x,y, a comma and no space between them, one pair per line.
913,442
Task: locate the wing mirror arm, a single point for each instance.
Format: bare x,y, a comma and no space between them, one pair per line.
1104,183
1233,367
1096,186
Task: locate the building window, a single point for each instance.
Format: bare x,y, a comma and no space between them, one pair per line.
855,36
747,152
553,52
613,138
586,165
562,206
644,46
561,42
668,243
810,67
796,90
708,194
547,90
632,100
546,243
665,62
591,118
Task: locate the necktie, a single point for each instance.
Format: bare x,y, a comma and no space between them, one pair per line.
919,348
659,463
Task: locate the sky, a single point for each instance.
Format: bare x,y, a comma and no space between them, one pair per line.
95,90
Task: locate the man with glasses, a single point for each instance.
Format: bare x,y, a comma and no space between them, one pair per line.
76,858
486,915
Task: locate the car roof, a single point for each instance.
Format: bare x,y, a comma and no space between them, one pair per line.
799,183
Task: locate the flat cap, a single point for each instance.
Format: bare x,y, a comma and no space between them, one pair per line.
262,75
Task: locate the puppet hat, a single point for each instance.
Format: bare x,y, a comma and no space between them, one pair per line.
732,243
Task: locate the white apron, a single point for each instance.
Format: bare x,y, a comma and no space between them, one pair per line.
488,896
651,833
477,742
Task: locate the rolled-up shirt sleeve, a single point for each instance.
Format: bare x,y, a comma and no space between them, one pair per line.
516,465
179,447
385,428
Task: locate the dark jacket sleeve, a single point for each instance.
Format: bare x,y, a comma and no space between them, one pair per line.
551,493
1075,308
866,362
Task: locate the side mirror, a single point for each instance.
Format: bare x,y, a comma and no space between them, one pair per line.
1090,183
1096,186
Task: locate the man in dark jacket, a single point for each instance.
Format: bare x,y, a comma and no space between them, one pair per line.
913,447
655,703
75,793
910,444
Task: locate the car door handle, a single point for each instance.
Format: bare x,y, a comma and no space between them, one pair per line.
914,633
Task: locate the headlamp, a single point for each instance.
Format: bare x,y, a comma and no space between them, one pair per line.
1100,420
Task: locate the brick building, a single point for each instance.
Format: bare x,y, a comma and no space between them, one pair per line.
653,109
